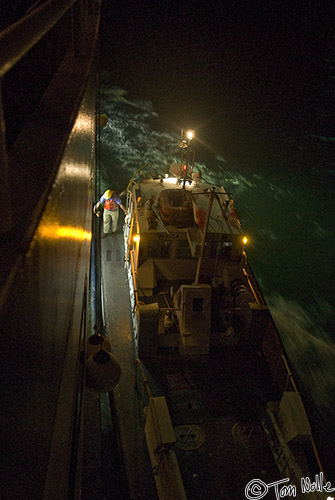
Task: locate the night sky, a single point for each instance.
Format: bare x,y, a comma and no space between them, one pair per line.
255,70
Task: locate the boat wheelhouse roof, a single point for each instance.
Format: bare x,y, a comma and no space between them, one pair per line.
152,189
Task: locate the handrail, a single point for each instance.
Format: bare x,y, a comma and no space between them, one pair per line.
289,374
139,365
250,285
20,37
132,179
291,378
133,272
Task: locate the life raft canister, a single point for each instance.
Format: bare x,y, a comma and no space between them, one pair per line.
175,207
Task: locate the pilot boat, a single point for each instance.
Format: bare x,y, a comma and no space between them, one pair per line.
223,416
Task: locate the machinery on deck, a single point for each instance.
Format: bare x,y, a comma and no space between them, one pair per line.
203,332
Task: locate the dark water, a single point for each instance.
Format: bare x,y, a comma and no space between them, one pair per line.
256,82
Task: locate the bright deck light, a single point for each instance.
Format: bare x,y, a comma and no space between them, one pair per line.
136,238
171,180
190,134
245,240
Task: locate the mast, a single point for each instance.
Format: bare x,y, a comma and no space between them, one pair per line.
184,144
204,234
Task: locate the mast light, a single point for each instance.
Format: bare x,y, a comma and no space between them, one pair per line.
190,134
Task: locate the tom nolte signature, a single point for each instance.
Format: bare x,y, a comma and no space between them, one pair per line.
257,489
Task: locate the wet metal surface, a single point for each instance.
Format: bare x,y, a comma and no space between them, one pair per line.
42,317
118,326
113,255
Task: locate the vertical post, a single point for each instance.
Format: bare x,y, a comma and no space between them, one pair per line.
203,239
192,166
5,195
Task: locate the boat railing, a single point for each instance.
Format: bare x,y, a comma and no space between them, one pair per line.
138,365
289,377
135,176
283,450
251,286
134,277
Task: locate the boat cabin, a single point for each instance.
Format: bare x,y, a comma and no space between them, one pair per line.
184,247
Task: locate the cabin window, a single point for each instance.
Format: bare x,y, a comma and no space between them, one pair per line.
221,249
183,250
159,248
197,304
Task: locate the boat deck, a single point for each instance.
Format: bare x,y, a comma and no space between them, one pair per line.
215,403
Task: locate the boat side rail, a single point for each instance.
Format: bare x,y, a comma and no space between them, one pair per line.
291,382
138,365
283,375
130,236
250,285
287,463
289,378
134,277
283,378
135,176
